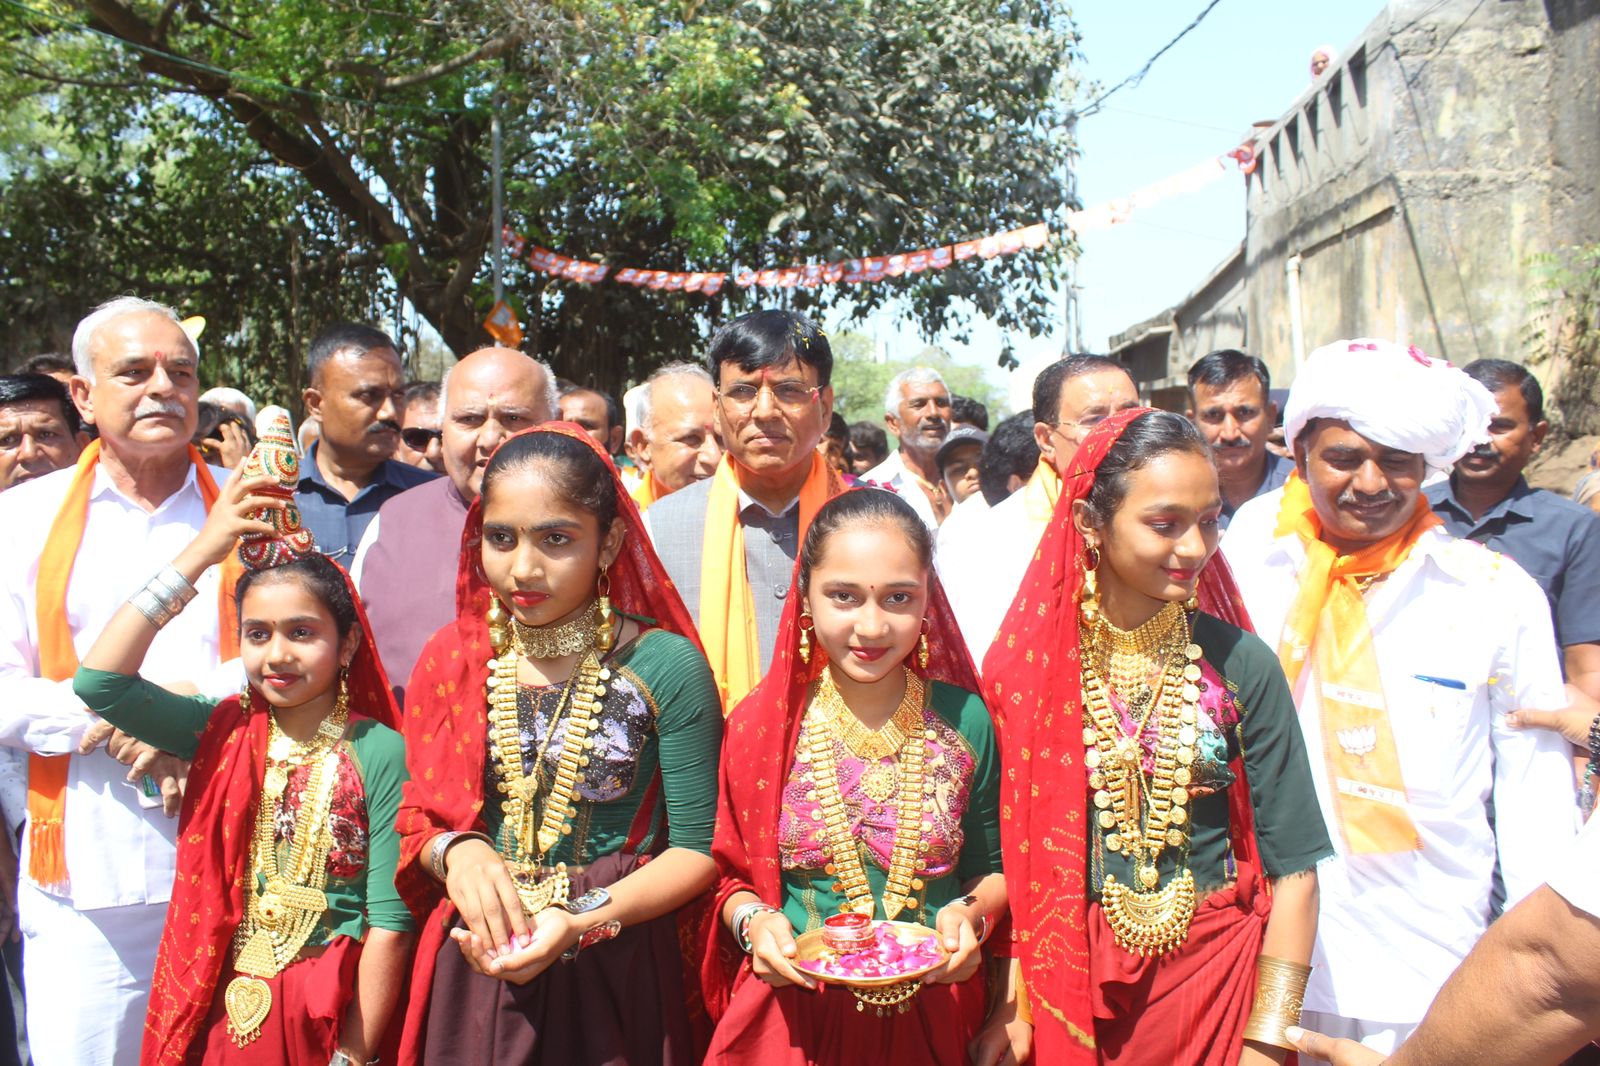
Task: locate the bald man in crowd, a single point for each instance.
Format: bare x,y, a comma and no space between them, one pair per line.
406,564
678,438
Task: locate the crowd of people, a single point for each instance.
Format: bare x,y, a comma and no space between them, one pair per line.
495,720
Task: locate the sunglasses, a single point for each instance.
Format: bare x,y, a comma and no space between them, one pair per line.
418,439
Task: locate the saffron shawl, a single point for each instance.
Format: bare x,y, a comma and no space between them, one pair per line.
1033,684
58,660
215,832
758,747
447,722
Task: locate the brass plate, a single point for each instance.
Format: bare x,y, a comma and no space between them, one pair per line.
809,947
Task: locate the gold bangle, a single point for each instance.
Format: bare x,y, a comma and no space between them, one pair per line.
1280,993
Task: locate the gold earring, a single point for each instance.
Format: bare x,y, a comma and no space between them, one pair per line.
922,650
805,639
605,634
1193,602
499,620
1089,601
341,703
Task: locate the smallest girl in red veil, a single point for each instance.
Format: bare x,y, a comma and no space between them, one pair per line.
286,939
861,775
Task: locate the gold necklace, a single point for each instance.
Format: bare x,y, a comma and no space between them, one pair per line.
1130,658
536,887
1143,815
822,728
284,907
558,641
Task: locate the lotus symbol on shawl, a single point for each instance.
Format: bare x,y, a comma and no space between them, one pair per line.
1358,741
275,456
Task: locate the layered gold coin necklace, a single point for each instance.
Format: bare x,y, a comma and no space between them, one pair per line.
1155,670
830,719
284,906
590,634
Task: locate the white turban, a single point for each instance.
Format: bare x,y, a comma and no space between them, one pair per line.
1394,395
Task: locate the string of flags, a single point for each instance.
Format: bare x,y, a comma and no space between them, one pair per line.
502,321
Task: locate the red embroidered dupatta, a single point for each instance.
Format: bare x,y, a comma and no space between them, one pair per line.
215,830
447,720
758,746
1033,685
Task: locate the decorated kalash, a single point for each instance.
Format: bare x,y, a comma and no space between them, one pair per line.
287,847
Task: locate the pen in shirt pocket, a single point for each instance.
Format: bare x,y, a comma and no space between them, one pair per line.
1443,682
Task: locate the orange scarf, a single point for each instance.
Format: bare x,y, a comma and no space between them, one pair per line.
58,659
648,491
727,606
1329,617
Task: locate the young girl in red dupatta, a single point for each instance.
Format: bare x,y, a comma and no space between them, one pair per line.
563,732
1160,824
286,939
860,777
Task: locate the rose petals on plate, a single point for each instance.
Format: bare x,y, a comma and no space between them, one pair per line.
894,953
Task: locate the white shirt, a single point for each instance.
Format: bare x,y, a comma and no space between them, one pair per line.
892,473
1577,875
1485,799
982,566
957,524
118,852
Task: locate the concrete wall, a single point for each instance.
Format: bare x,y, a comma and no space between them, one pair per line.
1453,140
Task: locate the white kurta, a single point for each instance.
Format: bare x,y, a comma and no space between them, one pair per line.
1576,877
1462,637
118,852
982,568
892,473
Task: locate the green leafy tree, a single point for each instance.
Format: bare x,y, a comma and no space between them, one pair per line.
342,150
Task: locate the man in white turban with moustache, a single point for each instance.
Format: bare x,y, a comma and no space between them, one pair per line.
1405,648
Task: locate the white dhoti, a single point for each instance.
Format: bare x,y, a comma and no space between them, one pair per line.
88,978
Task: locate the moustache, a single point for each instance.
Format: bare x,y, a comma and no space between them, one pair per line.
158,408
384,425
1484,451
1242,444
1350,498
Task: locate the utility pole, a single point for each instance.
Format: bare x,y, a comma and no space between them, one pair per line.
499,204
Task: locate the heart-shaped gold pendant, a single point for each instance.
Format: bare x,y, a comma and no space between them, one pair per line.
247,1000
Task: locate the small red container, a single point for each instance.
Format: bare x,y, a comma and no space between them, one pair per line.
848,932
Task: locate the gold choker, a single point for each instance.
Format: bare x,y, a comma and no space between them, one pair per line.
558,641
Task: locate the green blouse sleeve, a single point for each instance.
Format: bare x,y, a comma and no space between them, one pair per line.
380,755
980,825
145,710
689,729
1289,827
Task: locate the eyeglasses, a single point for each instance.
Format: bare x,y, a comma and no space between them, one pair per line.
789,394
418,439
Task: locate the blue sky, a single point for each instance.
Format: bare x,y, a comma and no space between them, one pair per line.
1247,61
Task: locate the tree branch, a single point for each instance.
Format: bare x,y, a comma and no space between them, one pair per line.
488,50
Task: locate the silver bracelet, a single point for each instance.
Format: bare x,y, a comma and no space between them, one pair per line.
150,605
172,588
740,925
441,844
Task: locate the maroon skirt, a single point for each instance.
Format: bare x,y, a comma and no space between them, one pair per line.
619,1003
309,1000
1187,1008
766,1026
